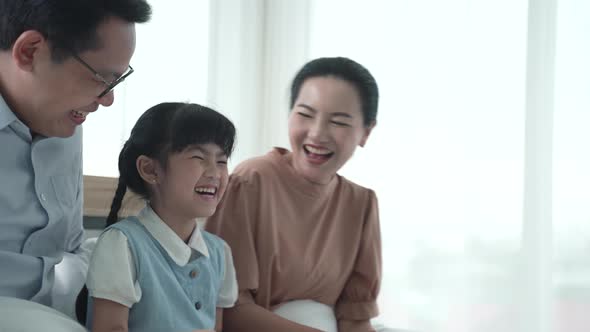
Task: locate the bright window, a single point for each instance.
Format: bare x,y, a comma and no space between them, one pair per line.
171,64
449,151
448,158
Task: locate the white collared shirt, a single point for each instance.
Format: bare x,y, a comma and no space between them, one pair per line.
113,277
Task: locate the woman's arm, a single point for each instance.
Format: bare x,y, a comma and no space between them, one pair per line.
355,326
109,316
248,316
357,303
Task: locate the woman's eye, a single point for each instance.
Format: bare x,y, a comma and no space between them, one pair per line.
198,157
222,162
305,115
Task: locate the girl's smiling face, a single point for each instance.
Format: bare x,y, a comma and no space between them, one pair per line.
193,181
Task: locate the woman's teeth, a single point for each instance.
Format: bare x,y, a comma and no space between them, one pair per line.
317,150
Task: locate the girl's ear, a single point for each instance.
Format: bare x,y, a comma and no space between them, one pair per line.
147,169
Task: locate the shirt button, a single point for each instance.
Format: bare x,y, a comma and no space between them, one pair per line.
194,274
43,198
198,305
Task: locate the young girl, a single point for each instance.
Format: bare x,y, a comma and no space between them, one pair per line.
158,271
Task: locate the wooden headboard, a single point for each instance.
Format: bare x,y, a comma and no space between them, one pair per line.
98,195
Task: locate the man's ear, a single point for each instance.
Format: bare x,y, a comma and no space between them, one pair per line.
28,46
147,169
367,132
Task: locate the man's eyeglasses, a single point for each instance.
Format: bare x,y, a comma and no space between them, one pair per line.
109,85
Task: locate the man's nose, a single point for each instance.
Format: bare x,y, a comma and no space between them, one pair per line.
107,100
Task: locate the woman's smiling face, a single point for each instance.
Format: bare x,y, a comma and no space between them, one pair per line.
325,127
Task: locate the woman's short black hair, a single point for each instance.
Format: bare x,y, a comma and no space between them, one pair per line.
348,70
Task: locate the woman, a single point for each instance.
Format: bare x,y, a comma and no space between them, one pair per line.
297,229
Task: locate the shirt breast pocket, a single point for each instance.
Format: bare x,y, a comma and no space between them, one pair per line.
66,191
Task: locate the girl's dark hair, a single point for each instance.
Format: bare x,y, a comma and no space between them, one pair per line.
348,70
69,25
164,129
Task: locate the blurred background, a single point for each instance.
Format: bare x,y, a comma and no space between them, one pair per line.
480,159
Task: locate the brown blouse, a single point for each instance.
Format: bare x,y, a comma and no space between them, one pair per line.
292,239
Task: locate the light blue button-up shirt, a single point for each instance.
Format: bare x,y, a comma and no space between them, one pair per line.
40,206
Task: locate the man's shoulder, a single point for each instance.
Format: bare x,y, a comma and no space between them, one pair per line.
6,115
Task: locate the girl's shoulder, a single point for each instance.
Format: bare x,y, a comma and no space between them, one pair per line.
213,239
131,228
215,244
128,223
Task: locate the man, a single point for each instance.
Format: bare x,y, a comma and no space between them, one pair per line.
59,61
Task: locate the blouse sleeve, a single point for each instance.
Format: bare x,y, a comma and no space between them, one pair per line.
234,222
111,273
358,301
228,293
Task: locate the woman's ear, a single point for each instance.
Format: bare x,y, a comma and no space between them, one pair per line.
367,133
147,169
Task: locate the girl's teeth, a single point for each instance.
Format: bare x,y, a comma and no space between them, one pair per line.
205,190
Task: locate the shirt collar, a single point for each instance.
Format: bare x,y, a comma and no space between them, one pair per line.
179,251
6,115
